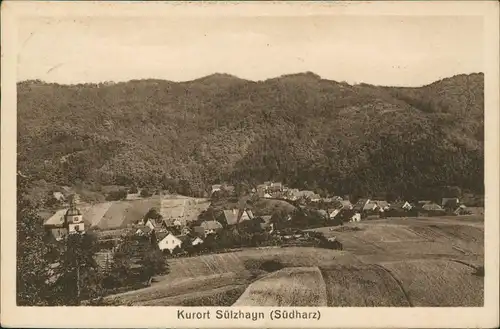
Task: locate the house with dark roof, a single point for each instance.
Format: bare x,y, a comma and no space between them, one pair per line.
401,205
382,204
199,231
370,206
211,227
315,198
450,203
431,206
346,204
276,187
235,216
143,230
421,203
360,205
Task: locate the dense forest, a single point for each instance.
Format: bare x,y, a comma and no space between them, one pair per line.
300,129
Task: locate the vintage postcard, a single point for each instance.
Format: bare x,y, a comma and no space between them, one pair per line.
250,164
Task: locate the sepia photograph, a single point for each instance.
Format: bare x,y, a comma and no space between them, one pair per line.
248,161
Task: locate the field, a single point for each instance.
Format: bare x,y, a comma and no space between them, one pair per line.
238,261
292,286
392,262
236,270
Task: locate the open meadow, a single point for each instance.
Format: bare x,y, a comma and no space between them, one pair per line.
420,262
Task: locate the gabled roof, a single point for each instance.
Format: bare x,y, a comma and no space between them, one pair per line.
399,204
169,235
370,205
57,219
431,206
229,188
266,218
169,222
382,203
58,196
346,203
161,235
199,229
361,204
231,216
211,225
144,228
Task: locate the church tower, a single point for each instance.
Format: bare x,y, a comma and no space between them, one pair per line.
73,219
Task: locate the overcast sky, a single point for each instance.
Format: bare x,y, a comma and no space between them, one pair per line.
391,50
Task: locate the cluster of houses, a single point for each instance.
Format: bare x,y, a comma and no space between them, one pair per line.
171,234
271,189
366,207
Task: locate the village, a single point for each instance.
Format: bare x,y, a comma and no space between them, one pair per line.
183,226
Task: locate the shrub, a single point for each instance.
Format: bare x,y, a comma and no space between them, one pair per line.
117,195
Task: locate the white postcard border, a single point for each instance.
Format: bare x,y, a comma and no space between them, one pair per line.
140,317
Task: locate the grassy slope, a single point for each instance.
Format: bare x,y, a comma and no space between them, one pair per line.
439,282
412,239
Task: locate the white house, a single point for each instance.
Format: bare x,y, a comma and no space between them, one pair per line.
356,217
216,187
196,241
169,242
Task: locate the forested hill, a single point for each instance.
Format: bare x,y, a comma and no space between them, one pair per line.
299,128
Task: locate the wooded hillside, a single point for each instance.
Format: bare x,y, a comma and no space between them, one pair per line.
303,130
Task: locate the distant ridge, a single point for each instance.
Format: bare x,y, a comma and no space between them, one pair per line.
220,76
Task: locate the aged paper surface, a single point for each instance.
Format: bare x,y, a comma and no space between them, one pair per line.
241,165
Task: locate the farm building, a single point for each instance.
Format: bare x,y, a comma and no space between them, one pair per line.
450,203
143,230
315,197
266,222
199,231
401,205
381,204
172,223
58,196
370,206
421,203
431,207
346,204
235,216
276,187
462,210
196,241
360,205
211,227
